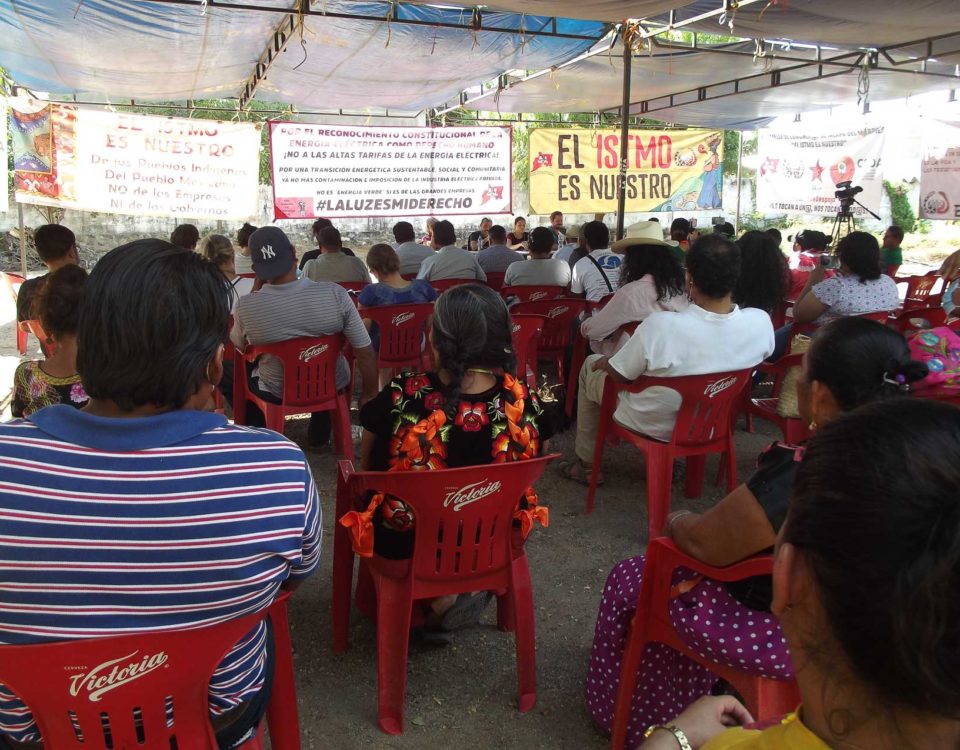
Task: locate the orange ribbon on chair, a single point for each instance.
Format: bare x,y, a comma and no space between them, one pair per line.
360,526
531,514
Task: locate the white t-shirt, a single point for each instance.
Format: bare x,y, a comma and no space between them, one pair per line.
239,287
565,252
538,272
693,342
242,263
847,295
589,279
451,262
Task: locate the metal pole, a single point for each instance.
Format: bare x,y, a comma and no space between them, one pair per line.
624,128
23,242
739,182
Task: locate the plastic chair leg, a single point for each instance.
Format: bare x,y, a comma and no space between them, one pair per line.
274,418
21,341
629,668
282,715
342,435
525,637
696,467
730,457
506,612
342,583
393,638
595,468
659,481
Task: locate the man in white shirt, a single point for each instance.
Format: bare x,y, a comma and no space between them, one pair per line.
539,269
712,335
410,252
450,261
598,274
498,257
333,264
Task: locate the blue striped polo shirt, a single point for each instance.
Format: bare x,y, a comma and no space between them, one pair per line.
118,526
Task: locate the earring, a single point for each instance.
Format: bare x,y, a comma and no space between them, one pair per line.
813,425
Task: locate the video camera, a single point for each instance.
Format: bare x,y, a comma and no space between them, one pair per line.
845,192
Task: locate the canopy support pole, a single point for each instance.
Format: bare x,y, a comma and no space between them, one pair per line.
736,223
23,242
624,130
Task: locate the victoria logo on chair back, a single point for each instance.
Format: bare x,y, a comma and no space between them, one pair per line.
557,311
516,327
537,295
470,494
109,675
313,351
719,386
400,318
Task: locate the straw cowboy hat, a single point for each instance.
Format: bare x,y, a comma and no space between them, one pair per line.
643,233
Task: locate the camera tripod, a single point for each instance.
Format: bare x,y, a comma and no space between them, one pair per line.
845,222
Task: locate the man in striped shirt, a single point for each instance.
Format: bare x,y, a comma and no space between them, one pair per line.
143,512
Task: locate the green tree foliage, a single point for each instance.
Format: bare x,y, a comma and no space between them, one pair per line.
900,209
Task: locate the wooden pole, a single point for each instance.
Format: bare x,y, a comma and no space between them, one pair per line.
739,182
23,242
624,129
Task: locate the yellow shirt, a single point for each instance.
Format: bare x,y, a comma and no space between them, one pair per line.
789,734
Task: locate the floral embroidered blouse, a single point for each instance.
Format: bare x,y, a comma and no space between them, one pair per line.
33,389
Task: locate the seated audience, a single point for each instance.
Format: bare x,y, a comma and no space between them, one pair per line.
97,551
680,229
776,234
241,263
219,250
519,237
332,264
764,276
185,236
808,247
470,410
651,279
497,257
318,226
891,254
55,379
597,274
57,247
287,308
410,252
711,335
571,243
539,269
864,586
427,239
726,229
853,362
450,261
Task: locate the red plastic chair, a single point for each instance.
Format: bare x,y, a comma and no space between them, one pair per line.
704,425
408,276
810,329
533,293
353,286
309,385
247,275
917,318
920,291
558,333
34,327
441,285
794,430
526,330
495,280
765,697
95,708
402,330
464,542
13,282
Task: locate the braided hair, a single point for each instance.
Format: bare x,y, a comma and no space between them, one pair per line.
471,328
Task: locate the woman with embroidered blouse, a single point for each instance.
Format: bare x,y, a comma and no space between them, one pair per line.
470,410
852,361
54,380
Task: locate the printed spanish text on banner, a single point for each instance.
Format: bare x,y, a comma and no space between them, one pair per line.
940,171
576,171
346,171
801,170
133,164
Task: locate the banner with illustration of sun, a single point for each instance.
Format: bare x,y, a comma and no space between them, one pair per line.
800,168
576,170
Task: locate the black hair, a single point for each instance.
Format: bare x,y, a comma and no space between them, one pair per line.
875,513
53,242
318,226
57,304
861,360
860,252
811,239
471,328
775,233
595,234
658,261
383,259
713,262
444,234
243,234
764,273
541,240
896,232
679,229
726,229
185,236
152,318
497,234
403,232
517,219
330,237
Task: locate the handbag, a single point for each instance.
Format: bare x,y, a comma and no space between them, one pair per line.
939,349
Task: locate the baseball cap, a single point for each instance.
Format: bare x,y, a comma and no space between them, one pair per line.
271,253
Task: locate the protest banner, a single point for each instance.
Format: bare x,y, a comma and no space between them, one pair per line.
347,171
576,170
133,164
799,170
940,171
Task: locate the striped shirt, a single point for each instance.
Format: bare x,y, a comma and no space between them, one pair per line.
280,312
118,526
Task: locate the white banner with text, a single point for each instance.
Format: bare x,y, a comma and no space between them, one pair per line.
341,172
940,171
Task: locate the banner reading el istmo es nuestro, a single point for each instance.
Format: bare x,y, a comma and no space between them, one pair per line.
940,171
799,169
575,171
133,164
343,171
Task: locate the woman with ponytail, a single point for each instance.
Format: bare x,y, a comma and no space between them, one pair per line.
470,410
